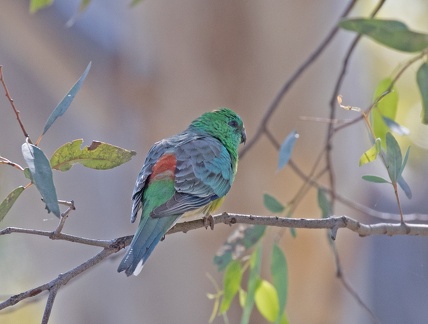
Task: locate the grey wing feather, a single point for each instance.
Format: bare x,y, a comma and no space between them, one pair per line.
203,173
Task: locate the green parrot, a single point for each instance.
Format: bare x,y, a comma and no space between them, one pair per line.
186,174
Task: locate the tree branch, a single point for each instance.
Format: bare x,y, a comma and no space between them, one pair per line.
332,223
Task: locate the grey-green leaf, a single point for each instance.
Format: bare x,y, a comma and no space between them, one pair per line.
286,149
375,179
422,78
405,187
393,158
8,202
391,33
66,101
41,173
324,204
272,204
395,127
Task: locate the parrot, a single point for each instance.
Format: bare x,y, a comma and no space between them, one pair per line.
187,174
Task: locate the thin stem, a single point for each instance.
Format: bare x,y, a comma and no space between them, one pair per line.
290,82
13,104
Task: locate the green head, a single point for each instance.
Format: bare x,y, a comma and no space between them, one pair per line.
225,125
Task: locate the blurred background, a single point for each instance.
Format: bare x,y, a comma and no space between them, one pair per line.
157,66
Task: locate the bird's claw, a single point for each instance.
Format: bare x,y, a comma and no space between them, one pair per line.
208,222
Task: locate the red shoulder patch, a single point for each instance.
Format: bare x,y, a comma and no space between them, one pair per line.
164,167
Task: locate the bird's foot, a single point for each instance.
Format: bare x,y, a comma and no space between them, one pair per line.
208,222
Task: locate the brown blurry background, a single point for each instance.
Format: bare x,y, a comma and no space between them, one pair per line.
157,66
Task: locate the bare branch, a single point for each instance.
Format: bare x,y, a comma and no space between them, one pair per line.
331,223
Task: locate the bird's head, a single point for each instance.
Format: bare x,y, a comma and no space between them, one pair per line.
223,124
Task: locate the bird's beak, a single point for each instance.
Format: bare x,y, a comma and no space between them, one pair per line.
243,136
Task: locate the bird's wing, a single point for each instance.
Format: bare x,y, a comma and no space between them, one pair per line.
154,154
203,173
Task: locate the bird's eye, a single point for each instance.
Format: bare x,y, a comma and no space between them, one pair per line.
233,123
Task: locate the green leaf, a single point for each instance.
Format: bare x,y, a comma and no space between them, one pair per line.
279,271
393,158
266,300
84,4
422,78
231,284
253,283
391,33
286,149
99,156
324,204
27,174
272,204
385,108
66,101
243,238
242,297
375,179
371,154
41,173
134,2
36,5
8,202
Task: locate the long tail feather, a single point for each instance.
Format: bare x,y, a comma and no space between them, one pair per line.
150,232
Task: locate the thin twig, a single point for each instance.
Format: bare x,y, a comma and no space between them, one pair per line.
338,85
290,82
13,164
340,275
13,104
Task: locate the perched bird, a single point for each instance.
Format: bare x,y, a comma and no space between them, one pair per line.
186,174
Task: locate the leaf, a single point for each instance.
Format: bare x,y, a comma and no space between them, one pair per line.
41,173
36,5
391,33
393,158
66,101
324,204
266,300
286,149
405,187
279,271
272,204
406,157
422,78
84,4
371,154
134,2
231,284
99,156
396,127
375,179
27,174
253,283
8,202
385,108
243,238
242,297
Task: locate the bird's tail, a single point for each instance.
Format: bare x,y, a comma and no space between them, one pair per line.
150,232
